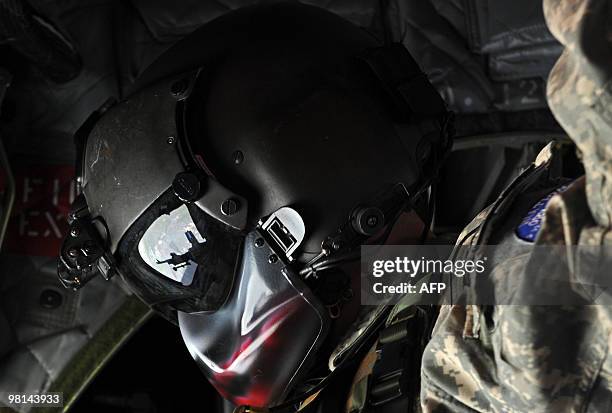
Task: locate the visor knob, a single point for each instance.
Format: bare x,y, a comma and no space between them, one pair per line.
187,186
230,206
368,220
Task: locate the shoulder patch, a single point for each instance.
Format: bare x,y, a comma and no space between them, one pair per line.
530,226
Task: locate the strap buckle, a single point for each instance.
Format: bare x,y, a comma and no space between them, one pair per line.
387,378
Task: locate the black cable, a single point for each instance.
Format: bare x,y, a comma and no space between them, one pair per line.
331,262
431,210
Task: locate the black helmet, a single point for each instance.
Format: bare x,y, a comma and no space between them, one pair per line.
253,156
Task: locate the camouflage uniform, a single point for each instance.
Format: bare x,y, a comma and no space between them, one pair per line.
542,358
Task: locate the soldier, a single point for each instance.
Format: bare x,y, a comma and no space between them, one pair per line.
534,358
245,171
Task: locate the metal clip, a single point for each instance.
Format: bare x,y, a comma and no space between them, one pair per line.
285,230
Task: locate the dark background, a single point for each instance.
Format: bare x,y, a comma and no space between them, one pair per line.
153,372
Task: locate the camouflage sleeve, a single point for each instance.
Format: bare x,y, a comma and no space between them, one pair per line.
580,91
516,358
537,358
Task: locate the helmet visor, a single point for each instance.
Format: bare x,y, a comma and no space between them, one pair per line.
172,246
180,258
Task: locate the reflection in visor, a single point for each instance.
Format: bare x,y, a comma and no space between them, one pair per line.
172,244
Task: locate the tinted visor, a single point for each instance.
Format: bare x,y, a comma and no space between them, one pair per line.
180,258
173,246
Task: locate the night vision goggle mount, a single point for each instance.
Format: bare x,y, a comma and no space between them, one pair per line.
84,253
